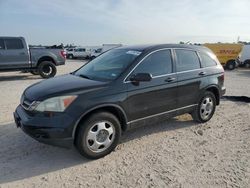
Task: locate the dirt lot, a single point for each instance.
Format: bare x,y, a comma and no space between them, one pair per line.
178,153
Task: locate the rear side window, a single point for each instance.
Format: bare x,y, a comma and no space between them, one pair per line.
207,61
158,63
13,44
187,60
1,44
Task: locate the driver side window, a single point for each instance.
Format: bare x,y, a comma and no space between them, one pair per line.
156,64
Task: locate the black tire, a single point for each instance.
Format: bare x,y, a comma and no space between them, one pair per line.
230,65
247,65
47,69
70,56
34,72
199,112
83,143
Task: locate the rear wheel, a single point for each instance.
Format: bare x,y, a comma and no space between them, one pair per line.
230,65
247,64
205,109
47,69
98,135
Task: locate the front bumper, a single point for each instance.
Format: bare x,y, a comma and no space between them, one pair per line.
223,91
50,130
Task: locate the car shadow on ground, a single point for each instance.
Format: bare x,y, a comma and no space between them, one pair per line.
22,157
18,77
243,72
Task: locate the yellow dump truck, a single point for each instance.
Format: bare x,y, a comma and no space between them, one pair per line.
226,53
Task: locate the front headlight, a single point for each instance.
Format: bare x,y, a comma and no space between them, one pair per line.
55,104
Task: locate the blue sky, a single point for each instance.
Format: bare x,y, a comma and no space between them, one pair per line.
96,22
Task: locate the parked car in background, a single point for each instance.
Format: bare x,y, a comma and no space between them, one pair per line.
226,53
119,90
244,57
102,49
79,52
15,55
68,51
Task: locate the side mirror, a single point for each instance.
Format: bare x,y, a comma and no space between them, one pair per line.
141,77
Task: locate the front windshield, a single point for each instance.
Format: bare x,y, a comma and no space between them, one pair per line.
108,66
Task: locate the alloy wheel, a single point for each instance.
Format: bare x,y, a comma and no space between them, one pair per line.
100,136
206,108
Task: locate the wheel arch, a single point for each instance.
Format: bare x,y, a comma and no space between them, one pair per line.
70,54
45,58
247,61
111,108
215,90
230,60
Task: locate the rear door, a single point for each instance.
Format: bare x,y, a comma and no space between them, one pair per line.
76,52
15,55
191,78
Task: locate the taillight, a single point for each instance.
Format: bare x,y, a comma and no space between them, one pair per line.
63,54
223,75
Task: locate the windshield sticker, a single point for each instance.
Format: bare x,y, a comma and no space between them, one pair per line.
132,52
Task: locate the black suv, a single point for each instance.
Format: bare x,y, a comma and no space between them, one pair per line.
121,89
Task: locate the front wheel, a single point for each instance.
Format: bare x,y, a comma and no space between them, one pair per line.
47,69
205,109
70,56
98,135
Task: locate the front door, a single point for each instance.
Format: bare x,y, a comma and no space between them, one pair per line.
14,55
80,52
158,96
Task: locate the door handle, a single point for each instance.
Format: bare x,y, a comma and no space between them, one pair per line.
170,79
202,73
22,53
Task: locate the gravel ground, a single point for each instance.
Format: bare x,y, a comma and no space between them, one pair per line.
177,153
238,82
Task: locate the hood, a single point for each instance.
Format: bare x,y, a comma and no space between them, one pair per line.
59,86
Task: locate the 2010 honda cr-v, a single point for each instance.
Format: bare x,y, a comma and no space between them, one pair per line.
121,89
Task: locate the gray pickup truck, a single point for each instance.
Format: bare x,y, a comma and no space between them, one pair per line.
15,55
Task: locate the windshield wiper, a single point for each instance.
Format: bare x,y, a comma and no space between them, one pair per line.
84,76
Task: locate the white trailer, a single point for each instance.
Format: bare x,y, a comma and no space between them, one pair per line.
103,48
244,57
79,52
